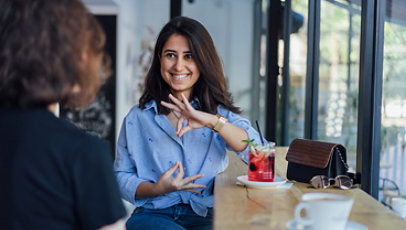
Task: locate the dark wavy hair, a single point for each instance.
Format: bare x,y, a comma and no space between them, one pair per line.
210,89
47,47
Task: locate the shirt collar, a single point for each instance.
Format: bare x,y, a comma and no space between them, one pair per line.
152,105
195,103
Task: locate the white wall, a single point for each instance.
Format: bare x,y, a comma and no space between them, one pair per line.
139,22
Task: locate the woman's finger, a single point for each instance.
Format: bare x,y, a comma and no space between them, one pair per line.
179,125
193,186
193,191
170,106
172,169
177,102
189,179
181,173
186,102
183,130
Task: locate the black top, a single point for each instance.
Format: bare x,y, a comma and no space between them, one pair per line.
53,175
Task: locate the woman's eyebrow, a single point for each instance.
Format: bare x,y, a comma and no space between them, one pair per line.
169,50
174,51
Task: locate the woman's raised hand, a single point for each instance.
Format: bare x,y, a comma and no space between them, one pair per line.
184,111
167,183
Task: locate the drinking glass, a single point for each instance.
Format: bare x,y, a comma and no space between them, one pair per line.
261,166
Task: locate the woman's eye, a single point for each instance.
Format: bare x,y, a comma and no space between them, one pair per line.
170,55
188,56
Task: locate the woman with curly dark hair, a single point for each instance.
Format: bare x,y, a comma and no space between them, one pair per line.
173,144
53,175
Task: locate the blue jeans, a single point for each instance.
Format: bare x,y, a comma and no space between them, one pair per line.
177,217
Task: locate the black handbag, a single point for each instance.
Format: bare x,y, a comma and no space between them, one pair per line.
308,158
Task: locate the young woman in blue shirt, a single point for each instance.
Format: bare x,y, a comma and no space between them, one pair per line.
173,144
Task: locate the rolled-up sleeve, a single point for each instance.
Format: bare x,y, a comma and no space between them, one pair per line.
125,169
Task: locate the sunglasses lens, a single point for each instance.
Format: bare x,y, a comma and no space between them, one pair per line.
320,181
343,182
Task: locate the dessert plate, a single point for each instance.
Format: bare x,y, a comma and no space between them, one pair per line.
262,185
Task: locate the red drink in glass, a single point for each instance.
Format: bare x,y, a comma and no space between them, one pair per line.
261,166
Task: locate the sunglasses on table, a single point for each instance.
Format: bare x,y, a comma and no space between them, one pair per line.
340,181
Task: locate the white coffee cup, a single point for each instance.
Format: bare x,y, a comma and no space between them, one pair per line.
323,211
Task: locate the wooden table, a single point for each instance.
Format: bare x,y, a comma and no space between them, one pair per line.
238,207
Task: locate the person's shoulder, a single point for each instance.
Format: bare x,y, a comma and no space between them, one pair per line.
81,142
76,134
63,134
50,125
64,126
43,126
221,110
67,132
136,111
231,116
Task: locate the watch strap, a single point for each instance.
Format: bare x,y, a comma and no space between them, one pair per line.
221,121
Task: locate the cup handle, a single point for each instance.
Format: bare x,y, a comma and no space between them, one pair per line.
298,218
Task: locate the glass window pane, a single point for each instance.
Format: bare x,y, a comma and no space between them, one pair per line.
297,68
230,23
393,128
340,23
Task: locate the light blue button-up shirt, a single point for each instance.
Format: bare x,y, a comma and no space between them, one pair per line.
148,146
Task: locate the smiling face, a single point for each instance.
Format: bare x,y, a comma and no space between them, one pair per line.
178,68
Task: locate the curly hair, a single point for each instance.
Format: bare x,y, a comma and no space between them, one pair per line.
210,89
48,48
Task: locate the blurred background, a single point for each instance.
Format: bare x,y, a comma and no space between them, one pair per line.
330,70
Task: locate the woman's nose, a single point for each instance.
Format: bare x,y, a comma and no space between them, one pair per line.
179,64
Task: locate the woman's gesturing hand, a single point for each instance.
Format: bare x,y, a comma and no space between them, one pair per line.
167,183
184,111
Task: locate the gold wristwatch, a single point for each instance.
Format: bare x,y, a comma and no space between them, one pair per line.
220,123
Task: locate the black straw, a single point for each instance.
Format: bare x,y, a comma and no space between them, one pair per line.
259,131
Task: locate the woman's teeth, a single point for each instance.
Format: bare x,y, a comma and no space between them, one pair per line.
179,76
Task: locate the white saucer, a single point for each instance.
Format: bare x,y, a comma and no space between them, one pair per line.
258,184
355,226
292,225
